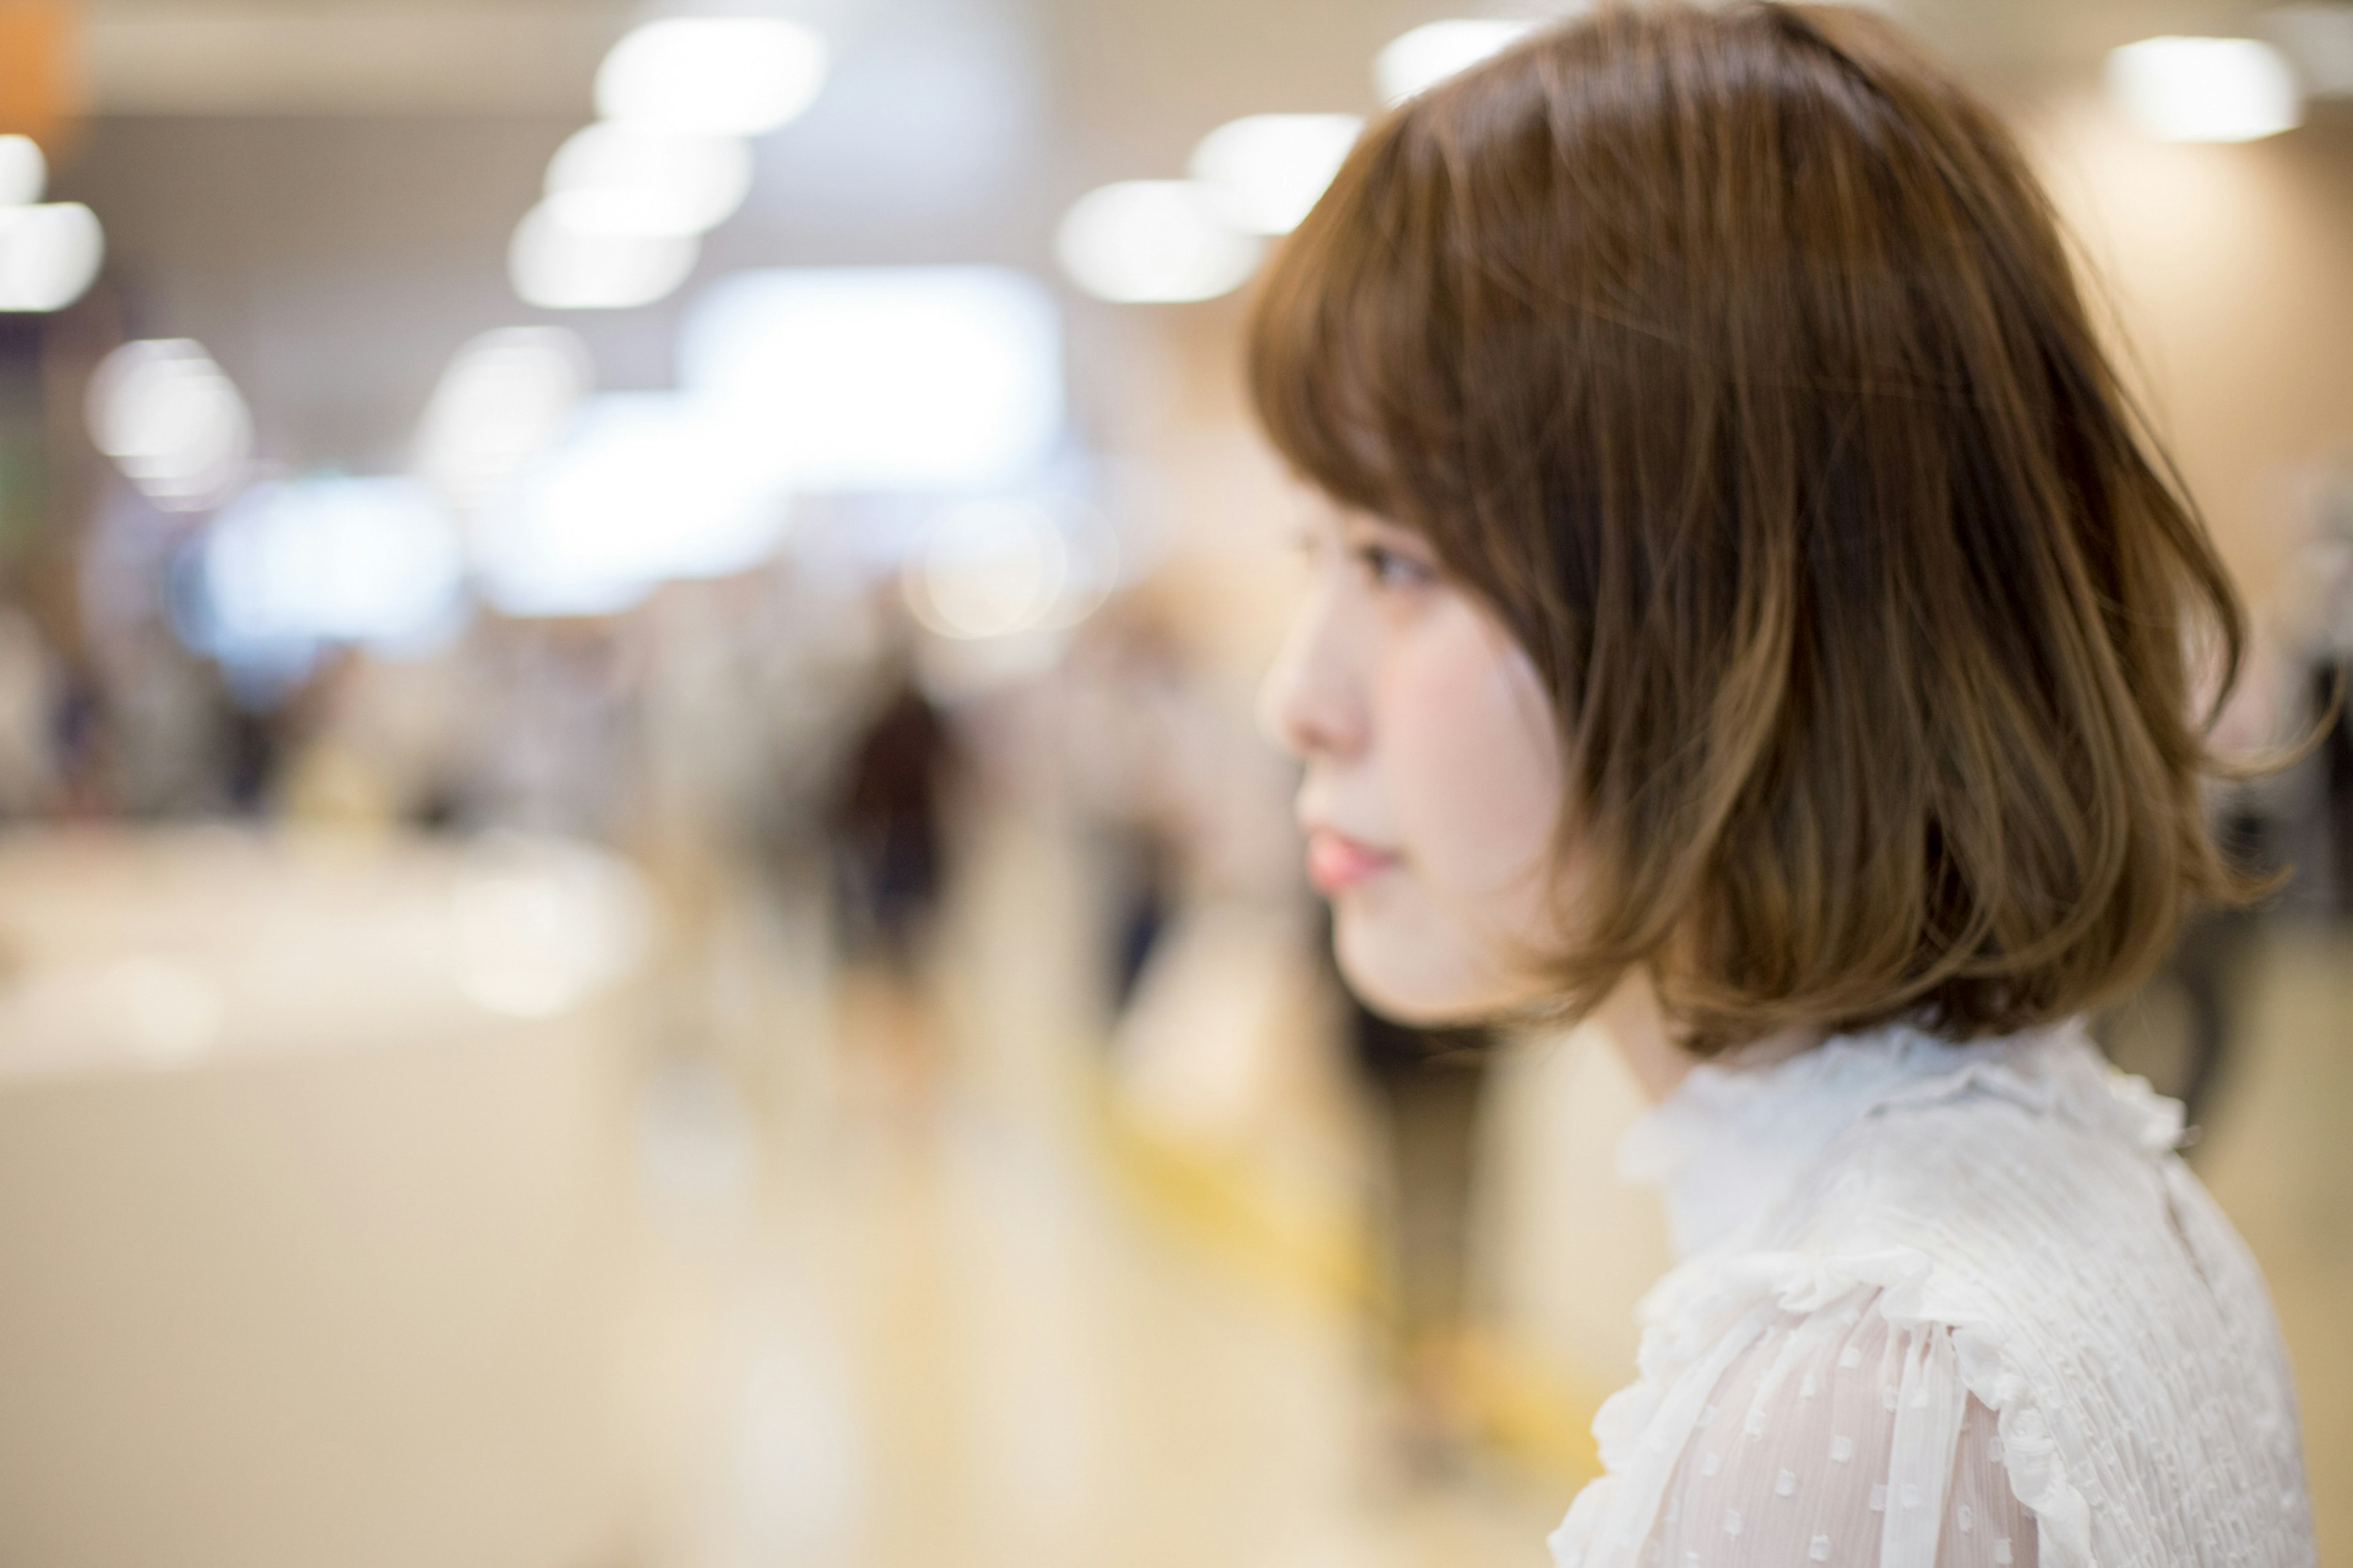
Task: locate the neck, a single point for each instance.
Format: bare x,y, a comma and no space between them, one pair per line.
1638,1026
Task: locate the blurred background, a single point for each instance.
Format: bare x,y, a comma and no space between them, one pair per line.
641,925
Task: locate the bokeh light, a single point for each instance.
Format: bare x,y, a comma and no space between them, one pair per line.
647,487
560,268
2204,90
724,75
504,401
172,422
879,379
49,255
1430,53
987,569
1271,168
331,559
24,172
632,179
1155,241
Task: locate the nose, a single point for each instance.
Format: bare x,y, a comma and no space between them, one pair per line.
1309,703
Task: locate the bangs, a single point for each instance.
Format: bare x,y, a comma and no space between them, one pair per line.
1348,362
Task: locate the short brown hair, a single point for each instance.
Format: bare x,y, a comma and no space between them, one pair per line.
1737,359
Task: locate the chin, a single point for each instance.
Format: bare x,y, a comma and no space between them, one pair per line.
1419,983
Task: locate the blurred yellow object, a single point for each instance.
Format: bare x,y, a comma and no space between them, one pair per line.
42,94
330,785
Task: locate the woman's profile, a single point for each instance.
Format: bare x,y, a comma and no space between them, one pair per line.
1749,615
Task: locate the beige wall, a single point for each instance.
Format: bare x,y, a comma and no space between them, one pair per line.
2230,271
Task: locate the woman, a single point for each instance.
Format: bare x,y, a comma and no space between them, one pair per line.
1748,615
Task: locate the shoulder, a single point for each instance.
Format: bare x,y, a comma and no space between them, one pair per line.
1837,1436
2016,1240
1998,1177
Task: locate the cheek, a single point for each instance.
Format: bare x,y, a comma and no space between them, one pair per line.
1472,754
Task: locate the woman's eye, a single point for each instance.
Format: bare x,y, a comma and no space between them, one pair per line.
1389,569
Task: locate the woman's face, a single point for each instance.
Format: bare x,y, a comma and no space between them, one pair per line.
1433,776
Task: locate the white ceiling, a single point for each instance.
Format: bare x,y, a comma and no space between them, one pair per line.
337,59
536,57
323,190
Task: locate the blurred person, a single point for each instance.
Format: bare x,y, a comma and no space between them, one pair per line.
1134,713
747,692
1748,615
890,865
546,746
31,696
321,780
372,743
385,744
2206,971
2320,618
2209,957
890,833
750,690
169,738
703,751
293,757
152,728
1427,1087
2329,678
1188,815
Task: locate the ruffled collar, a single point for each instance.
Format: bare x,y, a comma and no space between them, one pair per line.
1734,1137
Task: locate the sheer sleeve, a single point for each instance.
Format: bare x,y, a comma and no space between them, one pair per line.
1836,1438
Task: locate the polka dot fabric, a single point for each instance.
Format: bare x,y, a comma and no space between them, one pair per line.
1942,1306
1793,1460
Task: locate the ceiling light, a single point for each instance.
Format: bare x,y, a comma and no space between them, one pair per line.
1271,168
2204,90
49,255
882,378
1436,51
172,422
620,178
648,485
504,401
331,560
724,75
559,267
1144,241
987,569
24,173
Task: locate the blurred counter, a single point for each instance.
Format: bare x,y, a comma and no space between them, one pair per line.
311,1179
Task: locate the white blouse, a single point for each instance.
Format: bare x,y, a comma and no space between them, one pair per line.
1942,1306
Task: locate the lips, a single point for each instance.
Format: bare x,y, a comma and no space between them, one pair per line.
1337,862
